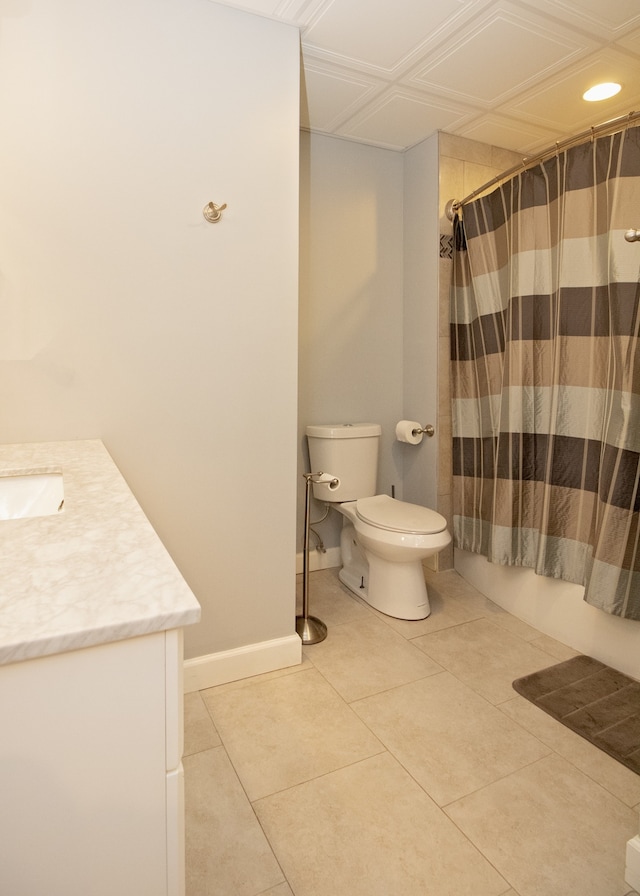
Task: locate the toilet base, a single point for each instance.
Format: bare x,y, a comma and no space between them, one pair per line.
395,589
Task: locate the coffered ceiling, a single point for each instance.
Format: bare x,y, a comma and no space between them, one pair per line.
508,72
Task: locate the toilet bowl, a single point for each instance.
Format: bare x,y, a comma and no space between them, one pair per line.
383,540
383,543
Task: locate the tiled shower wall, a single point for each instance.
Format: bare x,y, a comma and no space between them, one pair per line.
464,165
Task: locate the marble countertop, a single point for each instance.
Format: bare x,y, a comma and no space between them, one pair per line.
93,573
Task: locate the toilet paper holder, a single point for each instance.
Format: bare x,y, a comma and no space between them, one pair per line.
426,430
310,629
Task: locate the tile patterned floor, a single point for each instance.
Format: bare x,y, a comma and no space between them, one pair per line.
397,760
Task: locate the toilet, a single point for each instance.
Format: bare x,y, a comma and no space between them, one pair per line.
383,540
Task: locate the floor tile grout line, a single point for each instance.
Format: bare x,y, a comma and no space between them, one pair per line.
397,687
314,777
568,759
255,815
442,810
390,752
510,885
443,596
222,747
325,774
445,808
486,615
285,879
384,690
503,777
386,750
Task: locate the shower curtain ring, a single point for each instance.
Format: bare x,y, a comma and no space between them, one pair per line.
451,209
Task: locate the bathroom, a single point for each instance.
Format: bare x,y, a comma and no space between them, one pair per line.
108,271
132,274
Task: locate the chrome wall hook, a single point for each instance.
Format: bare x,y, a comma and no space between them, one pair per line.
213,212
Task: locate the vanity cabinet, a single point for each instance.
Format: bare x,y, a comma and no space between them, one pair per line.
91,781
92,609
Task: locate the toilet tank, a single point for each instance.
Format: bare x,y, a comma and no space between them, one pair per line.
348,451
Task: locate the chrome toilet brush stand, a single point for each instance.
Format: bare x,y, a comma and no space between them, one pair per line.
310,629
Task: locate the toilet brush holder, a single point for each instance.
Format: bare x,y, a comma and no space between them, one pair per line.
310,629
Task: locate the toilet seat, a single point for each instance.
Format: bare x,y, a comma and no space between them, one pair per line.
388,513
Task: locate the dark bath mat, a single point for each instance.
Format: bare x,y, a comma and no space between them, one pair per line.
596,702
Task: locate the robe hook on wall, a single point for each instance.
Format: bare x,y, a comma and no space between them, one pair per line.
213,212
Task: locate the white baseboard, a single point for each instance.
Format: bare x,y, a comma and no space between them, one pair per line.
632,870
242,662
254,659
318,560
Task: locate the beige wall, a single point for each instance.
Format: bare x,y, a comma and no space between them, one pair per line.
124,314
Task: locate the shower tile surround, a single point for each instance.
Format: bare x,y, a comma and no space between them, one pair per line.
464,165
431,777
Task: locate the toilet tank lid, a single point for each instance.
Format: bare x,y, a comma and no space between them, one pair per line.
343,430
399,516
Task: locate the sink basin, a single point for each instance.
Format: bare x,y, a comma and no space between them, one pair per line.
30,494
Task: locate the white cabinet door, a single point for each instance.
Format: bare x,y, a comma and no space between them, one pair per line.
83,772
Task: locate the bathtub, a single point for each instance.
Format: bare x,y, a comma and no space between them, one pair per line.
556,608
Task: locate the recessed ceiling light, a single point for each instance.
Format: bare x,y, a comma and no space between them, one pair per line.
601,92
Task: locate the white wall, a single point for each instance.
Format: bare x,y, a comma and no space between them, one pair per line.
351,295
123,314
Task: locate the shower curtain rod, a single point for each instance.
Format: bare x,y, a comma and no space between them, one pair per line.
453,205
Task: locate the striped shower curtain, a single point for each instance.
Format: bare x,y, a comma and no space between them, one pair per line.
546,373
